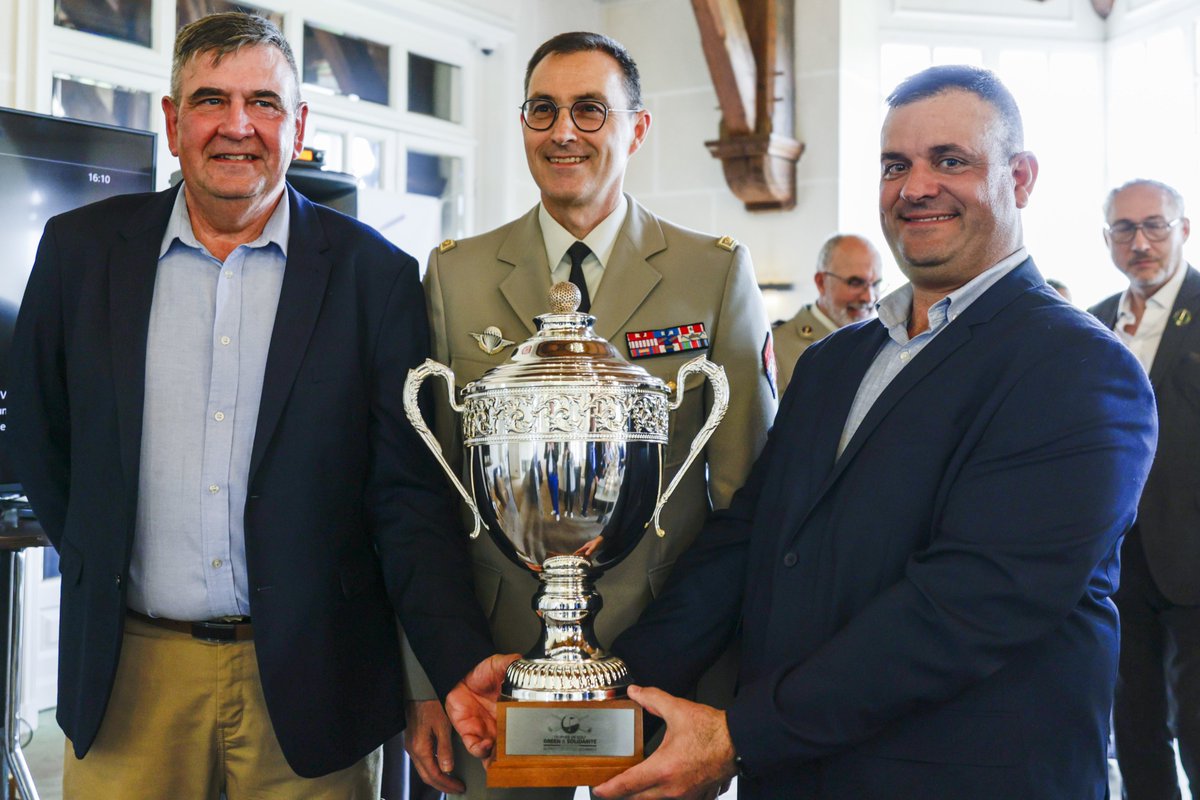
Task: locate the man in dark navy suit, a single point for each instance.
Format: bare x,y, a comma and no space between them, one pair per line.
921,562
206,406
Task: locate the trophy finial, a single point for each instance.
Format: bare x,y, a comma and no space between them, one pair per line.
565,298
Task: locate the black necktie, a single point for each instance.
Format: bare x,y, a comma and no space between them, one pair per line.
578,252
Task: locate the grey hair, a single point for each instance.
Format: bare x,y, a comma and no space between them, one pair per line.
222,34
1173,196
825,256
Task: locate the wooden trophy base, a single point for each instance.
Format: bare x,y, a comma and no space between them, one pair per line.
564,743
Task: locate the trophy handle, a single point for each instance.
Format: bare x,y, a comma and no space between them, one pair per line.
720,387
412,387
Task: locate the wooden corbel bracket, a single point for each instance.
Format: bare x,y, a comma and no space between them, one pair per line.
748,45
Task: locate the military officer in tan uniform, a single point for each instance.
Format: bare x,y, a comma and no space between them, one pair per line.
582,121
848,277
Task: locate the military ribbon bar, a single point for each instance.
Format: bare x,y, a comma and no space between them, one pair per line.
664,341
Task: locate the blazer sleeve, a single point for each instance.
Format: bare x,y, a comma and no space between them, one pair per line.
417,686
696,615
742,330
39,412
1065,456
412,507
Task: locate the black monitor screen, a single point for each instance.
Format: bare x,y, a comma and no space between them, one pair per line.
48,166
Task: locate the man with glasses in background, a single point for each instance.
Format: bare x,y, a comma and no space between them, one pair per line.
1158,686
848,277
639,275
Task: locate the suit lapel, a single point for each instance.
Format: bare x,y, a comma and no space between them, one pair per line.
1106,311
628,276
1174,335
300,298
132,267
844,386
953,337
527,287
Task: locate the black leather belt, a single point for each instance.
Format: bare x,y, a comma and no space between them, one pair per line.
233,629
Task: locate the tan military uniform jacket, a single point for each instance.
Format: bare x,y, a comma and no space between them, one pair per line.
792,338
659,276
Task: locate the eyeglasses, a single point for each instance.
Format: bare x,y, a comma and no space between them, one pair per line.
856,282
589,116
1156,229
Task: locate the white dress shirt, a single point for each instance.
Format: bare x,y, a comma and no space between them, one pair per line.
1144,342
601,241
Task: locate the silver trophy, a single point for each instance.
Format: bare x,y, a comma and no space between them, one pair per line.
565,445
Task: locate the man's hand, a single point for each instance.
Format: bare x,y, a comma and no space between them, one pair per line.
471,705
695,761
427,740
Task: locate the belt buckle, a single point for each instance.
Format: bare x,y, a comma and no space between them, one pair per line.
217,632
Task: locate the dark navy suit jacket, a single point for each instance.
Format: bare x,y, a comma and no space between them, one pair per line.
345,504
1169,513
926,617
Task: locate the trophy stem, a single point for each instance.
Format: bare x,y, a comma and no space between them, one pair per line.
568,662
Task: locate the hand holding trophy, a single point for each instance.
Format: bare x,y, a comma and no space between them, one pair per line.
565,446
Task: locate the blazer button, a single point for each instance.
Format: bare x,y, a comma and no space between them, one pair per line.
790,560
118,581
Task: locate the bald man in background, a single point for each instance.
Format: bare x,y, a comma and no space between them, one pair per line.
848,277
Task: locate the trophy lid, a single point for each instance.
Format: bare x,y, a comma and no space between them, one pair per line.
565,352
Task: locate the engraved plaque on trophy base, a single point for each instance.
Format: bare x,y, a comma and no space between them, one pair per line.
561,743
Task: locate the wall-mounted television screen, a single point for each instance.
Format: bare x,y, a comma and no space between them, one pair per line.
47,166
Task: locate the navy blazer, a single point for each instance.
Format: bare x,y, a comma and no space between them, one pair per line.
1169,513
928,615
347,518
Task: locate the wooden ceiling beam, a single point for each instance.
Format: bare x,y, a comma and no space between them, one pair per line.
749,48
730,61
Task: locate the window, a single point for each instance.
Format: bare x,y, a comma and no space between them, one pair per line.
355,154
433,88
94,101
188,11
127,20
441,177
345,65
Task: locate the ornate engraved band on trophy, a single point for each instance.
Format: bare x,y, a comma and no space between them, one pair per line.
564,445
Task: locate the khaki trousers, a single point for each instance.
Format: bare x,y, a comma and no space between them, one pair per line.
187,721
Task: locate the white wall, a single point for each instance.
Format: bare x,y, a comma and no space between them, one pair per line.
1153,114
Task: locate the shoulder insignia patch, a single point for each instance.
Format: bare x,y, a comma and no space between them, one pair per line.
727,243
447,246
665,341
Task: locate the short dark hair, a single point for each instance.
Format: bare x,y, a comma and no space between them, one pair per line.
980,82
222,34
583,42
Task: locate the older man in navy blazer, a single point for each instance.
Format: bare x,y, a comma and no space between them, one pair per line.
921,562
206,402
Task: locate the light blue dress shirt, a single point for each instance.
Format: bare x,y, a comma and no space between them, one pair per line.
206,351
898,350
